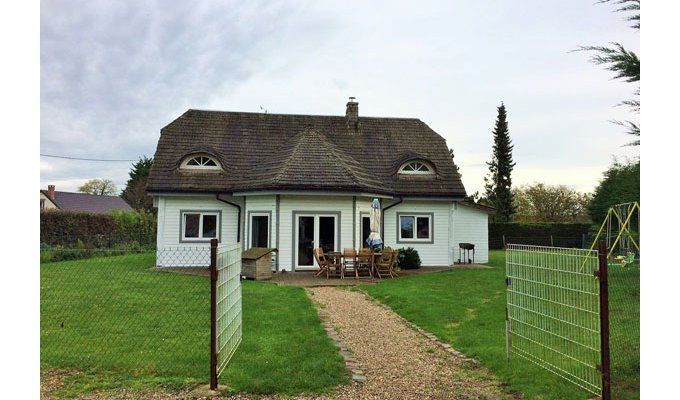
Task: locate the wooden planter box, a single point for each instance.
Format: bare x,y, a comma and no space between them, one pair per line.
256,263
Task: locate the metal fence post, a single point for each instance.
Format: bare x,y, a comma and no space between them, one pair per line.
213,314
604,321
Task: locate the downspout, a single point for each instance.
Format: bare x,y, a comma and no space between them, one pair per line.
382,217
238,220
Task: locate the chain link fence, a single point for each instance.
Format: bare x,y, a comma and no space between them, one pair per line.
121,311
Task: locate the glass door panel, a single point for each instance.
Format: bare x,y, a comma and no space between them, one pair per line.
305,241
327,233
365,231
259,231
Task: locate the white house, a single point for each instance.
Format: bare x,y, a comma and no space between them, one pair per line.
295,182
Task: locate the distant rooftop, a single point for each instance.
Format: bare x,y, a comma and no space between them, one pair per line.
85,202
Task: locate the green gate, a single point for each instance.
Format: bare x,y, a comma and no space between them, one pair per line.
553,311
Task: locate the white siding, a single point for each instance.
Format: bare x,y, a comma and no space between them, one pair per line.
431,254
168,238
470,225
313,204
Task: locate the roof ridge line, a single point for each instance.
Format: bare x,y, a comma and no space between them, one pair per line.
298,115
287,162
334,149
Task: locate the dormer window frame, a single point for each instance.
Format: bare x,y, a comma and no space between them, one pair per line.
417,167
201,161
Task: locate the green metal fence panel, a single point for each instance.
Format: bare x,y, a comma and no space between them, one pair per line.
553,311
228,316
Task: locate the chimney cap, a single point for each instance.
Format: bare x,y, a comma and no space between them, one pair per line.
351,99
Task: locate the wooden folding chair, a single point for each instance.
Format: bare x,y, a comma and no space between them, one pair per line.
334,266
349,260
364,263
395,256
385,264
321,260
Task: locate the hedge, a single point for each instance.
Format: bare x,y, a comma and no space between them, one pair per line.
90,230
560,234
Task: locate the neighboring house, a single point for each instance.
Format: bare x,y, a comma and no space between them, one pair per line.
50,199
295,182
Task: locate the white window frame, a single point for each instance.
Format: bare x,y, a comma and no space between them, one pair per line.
415,238
429,170
202,214
185,162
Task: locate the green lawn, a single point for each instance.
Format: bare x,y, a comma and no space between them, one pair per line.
466,307
125,326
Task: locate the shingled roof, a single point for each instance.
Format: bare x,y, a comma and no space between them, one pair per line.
85,202
279,152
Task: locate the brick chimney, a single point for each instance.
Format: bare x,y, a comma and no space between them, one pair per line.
50,191
352,114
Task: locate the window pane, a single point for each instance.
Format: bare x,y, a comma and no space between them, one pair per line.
191,222
193,161
209,163
406,227
423,225
210,226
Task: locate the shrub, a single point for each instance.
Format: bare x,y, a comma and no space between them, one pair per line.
408,258
99,231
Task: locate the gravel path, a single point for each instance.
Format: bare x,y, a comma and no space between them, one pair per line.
399,363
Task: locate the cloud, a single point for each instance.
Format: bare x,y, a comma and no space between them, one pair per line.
114,73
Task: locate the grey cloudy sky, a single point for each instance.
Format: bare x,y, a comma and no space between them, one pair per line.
113,73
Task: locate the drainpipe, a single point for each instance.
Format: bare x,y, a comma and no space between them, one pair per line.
238,220
382,217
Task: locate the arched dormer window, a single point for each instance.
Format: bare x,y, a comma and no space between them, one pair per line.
201,161
416,168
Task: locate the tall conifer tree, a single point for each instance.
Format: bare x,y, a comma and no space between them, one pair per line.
135,189
498,182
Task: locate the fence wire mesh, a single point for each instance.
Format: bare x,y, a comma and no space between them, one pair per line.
229,316
624,332
553,311
118,311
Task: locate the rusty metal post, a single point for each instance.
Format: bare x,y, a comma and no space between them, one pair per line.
213,314
604,321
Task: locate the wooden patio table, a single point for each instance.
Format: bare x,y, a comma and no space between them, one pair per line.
339,257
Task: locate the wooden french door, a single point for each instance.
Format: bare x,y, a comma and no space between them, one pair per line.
314,231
